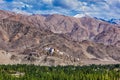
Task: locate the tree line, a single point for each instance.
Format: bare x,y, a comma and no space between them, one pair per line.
33,72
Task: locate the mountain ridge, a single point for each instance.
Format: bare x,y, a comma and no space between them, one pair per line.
74,41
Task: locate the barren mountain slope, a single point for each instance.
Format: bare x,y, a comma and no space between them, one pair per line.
28,39
85,28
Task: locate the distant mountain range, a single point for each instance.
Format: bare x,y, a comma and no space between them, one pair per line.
112,21
57,40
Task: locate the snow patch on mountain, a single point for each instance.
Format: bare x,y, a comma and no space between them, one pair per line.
79,15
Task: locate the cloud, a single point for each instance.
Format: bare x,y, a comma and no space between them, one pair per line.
103,9
67,4
96,8
47,1
115,5
1,1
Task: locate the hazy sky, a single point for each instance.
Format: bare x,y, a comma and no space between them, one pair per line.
97,8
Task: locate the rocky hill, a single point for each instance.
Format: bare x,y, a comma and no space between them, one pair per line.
57,40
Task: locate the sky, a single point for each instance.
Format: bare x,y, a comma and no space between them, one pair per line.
105,9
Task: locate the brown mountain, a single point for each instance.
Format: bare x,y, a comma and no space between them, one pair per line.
57,40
